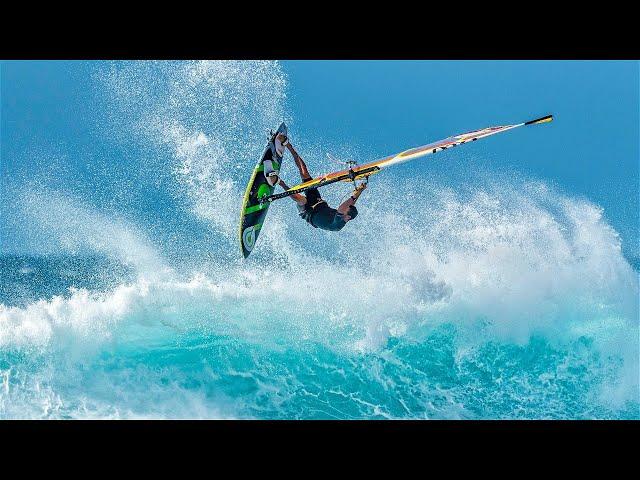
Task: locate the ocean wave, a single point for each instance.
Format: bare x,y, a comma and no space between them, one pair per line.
499,298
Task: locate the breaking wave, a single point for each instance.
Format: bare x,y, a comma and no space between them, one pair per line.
495,298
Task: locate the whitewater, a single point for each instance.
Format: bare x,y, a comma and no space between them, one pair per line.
505,298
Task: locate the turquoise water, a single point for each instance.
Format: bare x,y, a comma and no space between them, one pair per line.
155,356
125,295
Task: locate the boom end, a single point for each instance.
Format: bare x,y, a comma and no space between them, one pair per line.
544,119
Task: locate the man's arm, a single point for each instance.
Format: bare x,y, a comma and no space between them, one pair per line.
299,199
302,167
344,207
293,151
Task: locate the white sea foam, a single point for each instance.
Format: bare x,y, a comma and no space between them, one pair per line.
499,266
62,223
204,113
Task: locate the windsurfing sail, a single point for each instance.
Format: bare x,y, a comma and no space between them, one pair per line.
368,169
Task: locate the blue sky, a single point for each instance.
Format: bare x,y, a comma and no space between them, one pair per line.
590,150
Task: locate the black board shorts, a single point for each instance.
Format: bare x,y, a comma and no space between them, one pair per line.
322,215
327,218
313,196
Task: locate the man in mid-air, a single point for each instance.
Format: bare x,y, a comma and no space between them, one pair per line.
311,206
